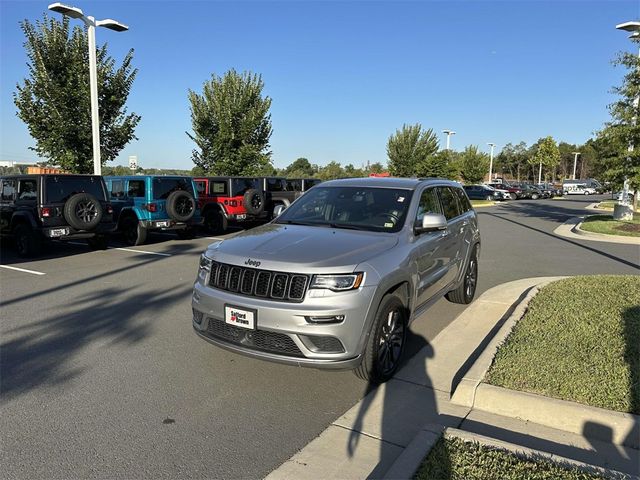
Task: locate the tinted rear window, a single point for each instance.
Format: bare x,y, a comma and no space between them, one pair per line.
241,185
61,188
163,187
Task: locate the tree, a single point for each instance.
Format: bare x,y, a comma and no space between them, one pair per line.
330,171
473,165
442,164
375,167
622,133
54,99
512,158
409,147
231,125
546,154
300,168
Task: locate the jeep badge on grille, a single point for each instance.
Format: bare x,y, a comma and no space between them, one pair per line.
253,263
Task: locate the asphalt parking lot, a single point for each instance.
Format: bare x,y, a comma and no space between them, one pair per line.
102,376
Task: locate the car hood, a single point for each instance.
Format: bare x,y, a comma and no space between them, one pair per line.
305,249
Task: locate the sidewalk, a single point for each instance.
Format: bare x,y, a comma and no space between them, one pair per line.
390,430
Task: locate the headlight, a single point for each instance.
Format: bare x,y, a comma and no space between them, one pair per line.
337,283
205,263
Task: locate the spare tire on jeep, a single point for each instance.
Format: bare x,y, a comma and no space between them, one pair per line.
83,211
253,201
181,205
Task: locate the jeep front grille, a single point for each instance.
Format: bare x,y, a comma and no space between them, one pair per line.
286,287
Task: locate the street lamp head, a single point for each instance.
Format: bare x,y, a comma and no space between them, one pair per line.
112,25
491,144
449,132
73,12
629,26
576,153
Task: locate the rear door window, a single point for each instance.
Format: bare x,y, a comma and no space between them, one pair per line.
465,205
60,188
218,187
449,202
136,188
28,189
201,186
294,185
275,185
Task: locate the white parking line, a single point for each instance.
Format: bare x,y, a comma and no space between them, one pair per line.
32,272
140,251
215,238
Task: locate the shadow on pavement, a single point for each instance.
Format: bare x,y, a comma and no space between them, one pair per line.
41,353
564,239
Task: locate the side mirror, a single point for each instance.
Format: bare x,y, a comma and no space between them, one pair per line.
278,209
431,222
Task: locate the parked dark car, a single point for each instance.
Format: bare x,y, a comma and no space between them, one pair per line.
529,191
482,192
35,208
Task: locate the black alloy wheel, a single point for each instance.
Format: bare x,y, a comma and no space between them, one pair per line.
390,342
86,211
471,277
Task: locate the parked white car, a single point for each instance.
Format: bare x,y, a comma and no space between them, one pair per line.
577,189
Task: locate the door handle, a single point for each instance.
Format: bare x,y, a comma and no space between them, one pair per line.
444,233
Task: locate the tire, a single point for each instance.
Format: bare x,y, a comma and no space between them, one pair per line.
28,242
253,202
188,233
535,196
134,233
467,289
373,368
215,222
99,242
181,206
83,211
513,196
586,193
488,198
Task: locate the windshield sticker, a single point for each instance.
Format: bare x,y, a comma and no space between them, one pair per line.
388,225
400,199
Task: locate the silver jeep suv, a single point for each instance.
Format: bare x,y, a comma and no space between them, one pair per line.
335,279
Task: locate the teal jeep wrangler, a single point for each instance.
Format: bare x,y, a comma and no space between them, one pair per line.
147,202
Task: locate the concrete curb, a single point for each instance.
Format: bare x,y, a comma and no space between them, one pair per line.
408,462
591,422
567,229
605,237
605,425
530,453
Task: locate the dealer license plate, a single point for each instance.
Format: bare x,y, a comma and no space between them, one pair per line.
162,224
58,232
240,317
241,216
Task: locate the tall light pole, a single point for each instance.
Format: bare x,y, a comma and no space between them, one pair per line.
634,29
449,133
492,145
91,24
575,162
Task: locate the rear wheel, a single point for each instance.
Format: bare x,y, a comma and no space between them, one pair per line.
535,196
513,196
386,341
28,242
488,198
467,289
134,233
99,242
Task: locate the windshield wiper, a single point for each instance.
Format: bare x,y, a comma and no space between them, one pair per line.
348,226
308,224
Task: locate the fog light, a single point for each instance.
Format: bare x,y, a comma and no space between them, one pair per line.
197,316
327,319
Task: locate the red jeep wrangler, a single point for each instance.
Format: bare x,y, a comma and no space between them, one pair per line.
225,200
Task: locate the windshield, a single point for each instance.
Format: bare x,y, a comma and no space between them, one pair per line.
162,187
356,208
239,186
61,188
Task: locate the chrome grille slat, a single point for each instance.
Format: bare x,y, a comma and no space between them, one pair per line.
251,282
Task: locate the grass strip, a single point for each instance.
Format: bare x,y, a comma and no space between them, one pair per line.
454,458
482,203
607,225
580,341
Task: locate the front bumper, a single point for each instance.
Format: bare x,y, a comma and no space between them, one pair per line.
282,327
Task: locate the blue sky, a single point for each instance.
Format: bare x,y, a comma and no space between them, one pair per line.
343,76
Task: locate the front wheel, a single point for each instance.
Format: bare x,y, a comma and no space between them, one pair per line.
488,198
535,196
467,289
386,341
28,242
215,222
513,196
